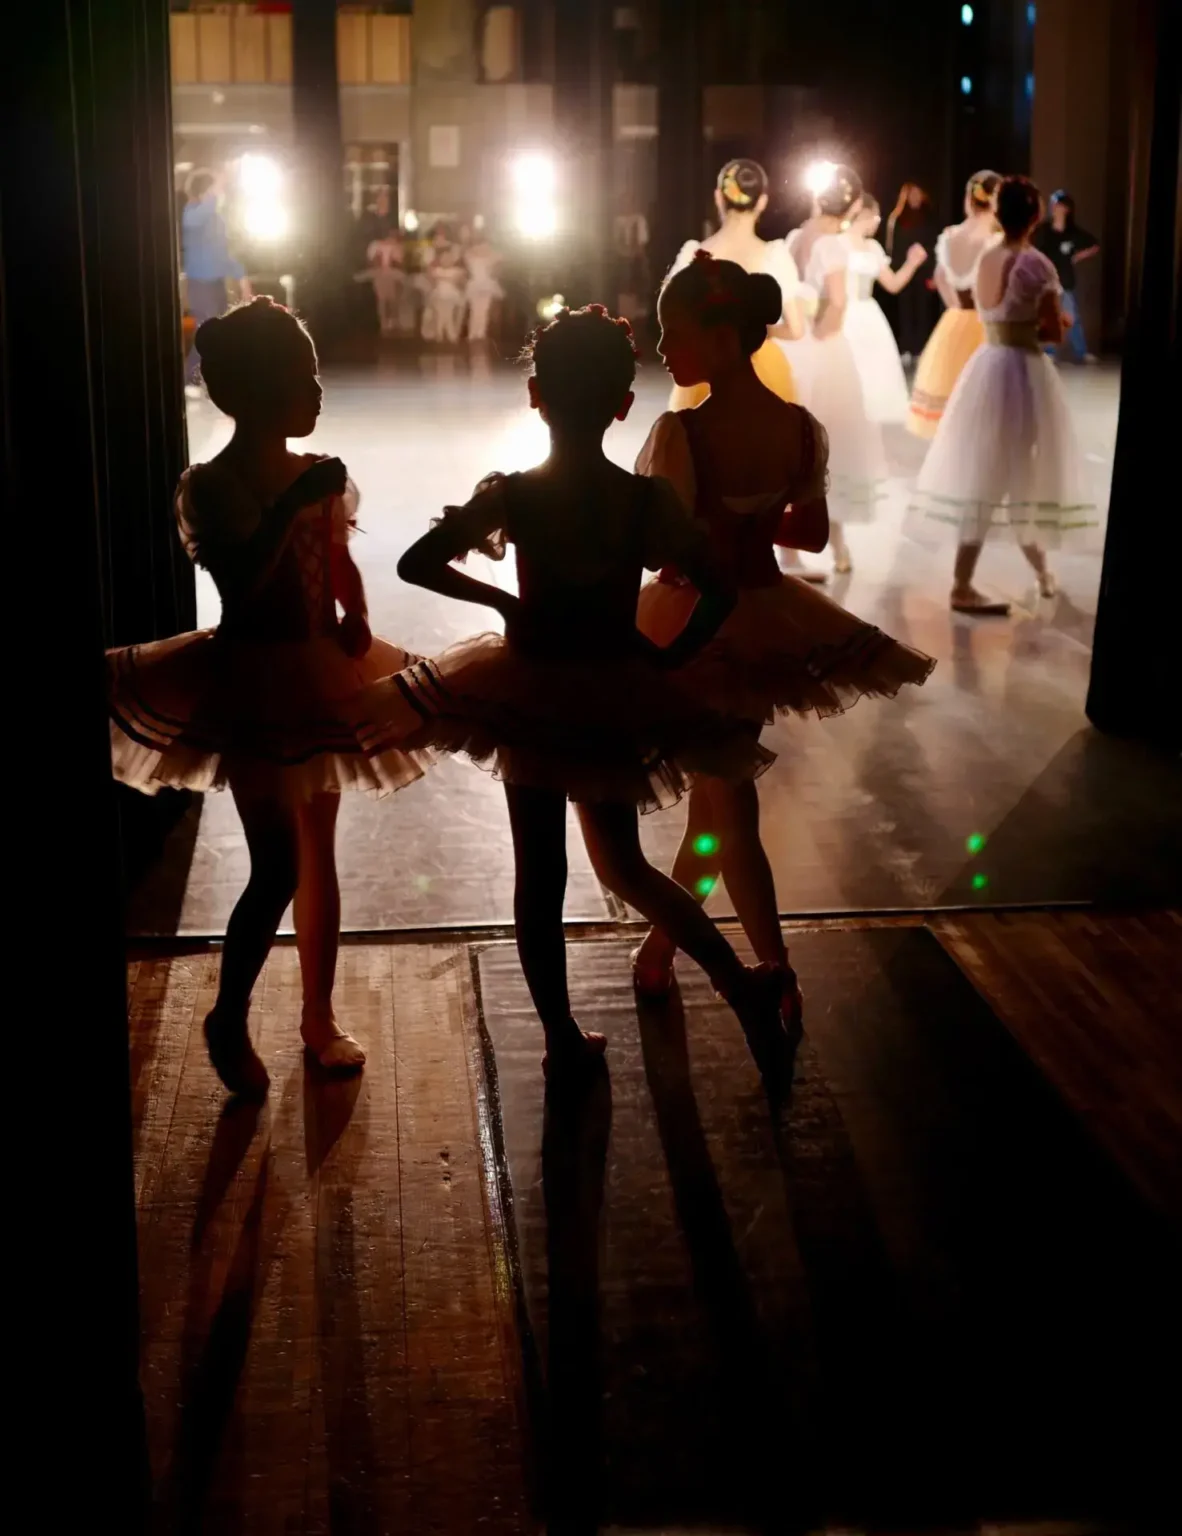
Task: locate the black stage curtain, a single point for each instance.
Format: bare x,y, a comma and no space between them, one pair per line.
93,444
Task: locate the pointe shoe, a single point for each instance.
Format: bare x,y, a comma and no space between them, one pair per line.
653,983
983,607
842,564
792,1007
341,1056
574,1061
1047,585
233,1057
766,1004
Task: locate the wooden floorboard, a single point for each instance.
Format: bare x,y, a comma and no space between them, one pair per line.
1095,1000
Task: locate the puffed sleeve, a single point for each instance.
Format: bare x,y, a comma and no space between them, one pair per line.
875,249
813,480
1032,275
214,512
480,522
344,514
671,537
831,253
666,452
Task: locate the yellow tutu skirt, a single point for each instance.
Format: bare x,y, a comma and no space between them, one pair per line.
957,336
772,369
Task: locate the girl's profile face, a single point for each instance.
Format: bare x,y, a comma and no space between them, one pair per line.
301,397
690,351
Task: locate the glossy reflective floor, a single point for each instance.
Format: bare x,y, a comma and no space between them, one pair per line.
868,812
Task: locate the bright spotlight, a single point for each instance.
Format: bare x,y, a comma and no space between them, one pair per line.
410,220
537,221
260,177
534,175
266,221
549,308
819,175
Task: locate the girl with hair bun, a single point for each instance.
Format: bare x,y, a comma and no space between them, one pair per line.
959,331
1005,459
832,385
741,196
754,469
572,702
884,386
257,704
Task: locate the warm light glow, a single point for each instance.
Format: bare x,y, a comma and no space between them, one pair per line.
537,221
265,221
410,220
534,174
548,308
260,178
819,175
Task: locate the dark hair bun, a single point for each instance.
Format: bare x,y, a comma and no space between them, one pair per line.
843,191
741,183
247,354
763,299
585,363
1019,205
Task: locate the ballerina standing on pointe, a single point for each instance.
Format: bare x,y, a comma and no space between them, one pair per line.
741,196
832,384
880,367
959,331
1005,456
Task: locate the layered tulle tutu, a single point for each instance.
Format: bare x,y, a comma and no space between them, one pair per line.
617,730
1006,455
857,460
772,368
785,649
884,387
957,336
198,709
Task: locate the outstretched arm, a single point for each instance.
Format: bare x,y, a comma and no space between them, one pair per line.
428,561
895,282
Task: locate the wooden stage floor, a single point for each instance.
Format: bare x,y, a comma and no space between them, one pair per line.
339,1333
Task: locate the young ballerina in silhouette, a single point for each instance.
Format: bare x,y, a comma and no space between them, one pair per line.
256,703
754,471
572,702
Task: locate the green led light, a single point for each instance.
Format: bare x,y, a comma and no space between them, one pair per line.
705,885
975,842
980,881
705,844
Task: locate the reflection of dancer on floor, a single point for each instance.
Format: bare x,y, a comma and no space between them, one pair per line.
1005,455
740,197
880,368
256,704
959,331
832,385
738,460
572,702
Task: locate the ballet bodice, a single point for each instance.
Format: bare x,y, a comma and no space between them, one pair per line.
293,598
481,270
866,262
580,565
741,528
961,282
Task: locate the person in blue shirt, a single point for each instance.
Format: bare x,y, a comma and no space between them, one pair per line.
206,261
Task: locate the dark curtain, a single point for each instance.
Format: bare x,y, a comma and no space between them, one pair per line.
93,444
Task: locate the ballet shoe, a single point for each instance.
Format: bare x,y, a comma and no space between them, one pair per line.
767,1004
233,1057
341,1056
792,1007
651,982
1047,585
842,564
984,607
574,1061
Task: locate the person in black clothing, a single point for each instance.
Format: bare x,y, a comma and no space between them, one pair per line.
1066,244
913,222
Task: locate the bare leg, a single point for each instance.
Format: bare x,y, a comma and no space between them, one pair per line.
1037,559
318,934
842,563
965,597
270,832
696,872
538,821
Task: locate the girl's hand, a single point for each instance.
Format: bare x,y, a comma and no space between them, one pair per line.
916,255
354,635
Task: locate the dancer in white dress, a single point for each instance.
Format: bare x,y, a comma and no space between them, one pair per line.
443,312
832,387
876,353
1005,456
481,259
741,195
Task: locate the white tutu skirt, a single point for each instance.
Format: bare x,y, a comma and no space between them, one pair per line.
617,731
786,649
884,387
1005,455
831,388
199,711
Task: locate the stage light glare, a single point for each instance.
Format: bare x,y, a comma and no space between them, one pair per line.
534,174
410,221
259,177
265,220
819,175
537,221
549,308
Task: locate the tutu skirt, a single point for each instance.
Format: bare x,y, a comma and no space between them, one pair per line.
595,731
884,387
772,369
958,334
199,710
857,460
1006,455
785,649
